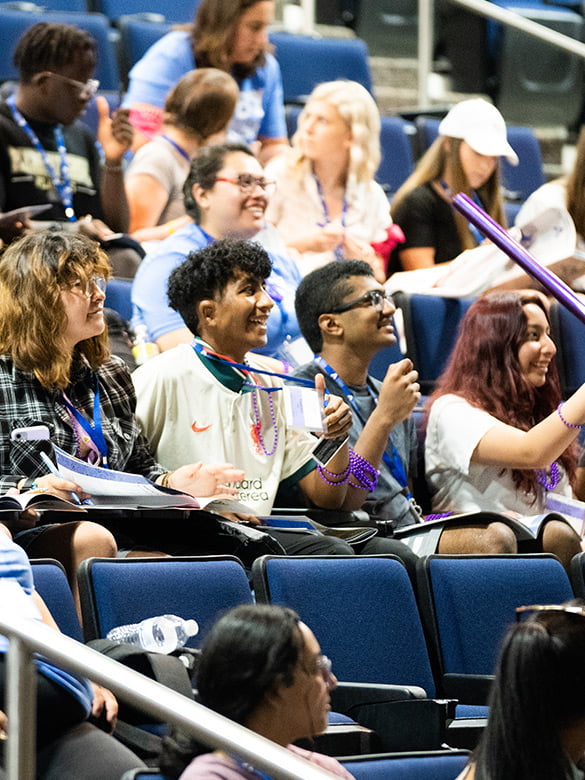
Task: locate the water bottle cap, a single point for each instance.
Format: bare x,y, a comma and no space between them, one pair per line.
191,627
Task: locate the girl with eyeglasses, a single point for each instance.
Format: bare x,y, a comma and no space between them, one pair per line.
262,667
327,205
498,436
536,725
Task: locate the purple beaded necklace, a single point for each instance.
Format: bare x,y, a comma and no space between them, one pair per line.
258,424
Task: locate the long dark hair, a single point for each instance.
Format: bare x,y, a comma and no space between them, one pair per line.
249,653
539,688
484,369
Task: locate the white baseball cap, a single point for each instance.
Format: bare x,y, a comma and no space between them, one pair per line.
480,125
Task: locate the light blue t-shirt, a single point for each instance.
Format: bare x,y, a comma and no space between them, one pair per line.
260,108
150,306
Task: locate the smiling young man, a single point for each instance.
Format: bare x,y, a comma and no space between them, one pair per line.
49,158
198,399
345,316
226,194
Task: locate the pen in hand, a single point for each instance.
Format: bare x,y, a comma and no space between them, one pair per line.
54,470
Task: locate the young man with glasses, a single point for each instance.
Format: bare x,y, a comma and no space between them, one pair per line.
345,316
226,195
47,157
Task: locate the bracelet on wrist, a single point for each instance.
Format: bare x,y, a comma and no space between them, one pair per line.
164,479
363,472
336,479
566,422
113,166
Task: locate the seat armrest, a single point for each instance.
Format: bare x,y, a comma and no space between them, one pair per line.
468,688
401,717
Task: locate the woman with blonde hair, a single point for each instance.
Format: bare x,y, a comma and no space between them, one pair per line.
231,35
464,158
327,204
197,112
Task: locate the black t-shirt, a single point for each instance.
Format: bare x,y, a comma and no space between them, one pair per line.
426,219
24,179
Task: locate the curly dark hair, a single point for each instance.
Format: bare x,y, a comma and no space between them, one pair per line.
46,46
323,291
206,273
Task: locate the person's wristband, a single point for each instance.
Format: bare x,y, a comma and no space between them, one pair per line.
113,167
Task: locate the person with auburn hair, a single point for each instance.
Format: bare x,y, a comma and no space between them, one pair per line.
464,158
56,370
197,112
262,667
498,436
327,205
536,724
231,35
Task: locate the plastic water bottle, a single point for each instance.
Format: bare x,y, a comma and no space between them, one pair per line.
159,634
143,349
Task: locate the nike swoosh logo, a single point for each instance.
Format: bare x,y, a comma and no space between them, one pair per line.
196,429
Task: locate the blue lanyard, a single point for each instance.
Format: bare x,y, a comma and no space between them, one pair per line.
178,147
62,184
93,429
392,462
338,251
206,352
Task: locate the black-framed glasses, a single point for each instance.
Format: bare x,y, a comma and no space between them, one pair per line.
375,298
87,89
247,182
532,609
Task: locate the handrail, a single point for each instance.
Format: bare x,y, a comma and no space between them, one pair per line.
27,637
491,11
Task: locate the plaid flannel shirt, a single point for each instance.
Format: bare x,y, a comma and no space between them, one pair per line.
25,402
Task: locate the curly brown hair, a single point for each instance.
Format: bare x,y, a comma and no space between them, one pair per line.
33,272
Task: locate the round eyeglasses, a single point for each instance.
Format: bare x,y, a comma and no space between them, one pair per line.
375,298
247,183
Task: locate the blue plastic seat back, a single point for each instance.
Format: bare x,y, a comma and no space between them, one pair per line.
475,598
306,61
118,297
14,23
179,12
523,179
115,592
137,35
53,587
569,336
362,610
397,157
431,325
436,766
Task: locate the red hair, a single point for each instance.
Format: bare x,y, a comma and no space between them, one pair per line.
484,369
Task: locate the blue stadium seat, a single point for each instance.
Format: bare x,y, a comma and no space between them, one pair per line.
138,33
118,591
397,157
569,336
364,613
467,603
118,297
323,59
13,24
52,585
430,326
429,765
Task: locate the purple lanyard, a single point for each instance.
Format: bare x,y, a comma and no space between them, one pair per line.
62,184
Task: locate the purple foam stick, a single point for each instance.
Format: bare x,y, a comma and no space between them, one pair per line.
516,252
